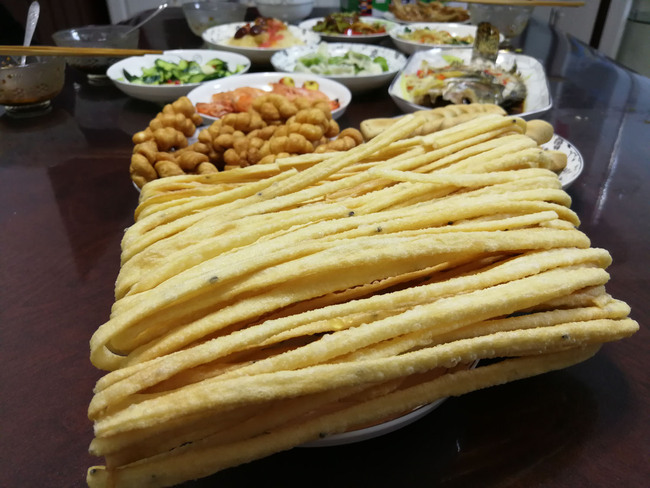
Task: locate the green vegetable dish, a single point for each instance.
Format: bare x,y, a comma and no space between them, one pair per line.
321,62
169,73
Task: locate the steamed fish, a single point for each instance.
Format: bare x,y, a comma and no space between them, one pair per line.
458,83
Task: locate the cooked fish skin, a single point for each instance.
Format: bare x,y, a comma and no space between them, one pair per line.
472,90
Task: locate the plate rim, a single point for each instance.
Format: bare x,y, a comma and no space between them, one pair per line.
575,166
367,433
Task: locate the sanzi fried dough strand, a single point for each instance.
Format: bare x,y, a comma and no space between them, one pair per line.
263,307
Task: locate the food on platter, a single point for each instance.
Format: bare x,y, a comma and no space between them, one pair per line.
529,71
258,128
358,66
163,149
222,37
420,36
427,12
427,35
460,83
435,119
241,99
320,62
273,127
264,32
265,307
170,73
165,78
349,24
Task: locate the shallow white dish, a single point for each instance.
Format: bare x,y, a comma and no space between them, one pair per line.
375,430
364,38
575,163
286,61
219,35
333,89
455,29
538,97
168,93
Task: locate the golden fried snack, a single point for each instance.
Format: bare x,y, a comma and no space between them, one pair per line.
165,138
244,121
236,139
141,170
183,106
206,168
330,291
539,130
178,121
189,160
166,167
436,119
274,107
148,149
346,139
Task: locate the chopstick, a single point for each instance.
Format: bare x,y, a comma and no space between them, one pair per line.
529,3
72,51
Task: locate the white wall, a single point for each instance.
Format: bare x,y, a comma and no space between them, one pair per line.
580,21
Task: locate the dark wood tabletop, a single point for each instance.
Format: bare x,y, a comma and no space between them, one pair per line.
66,198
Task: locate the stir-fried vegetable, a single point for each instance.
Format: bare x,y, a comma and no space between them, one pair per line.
349,24
169,73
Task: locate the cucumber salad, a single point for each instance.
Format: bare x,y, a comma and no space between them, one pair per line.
169,73
321,62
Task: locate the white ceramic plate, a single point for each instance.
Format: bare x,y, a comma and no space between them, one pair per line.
333,89
455,29
532,72
375,430
363,38
219,35
575,163
286,61
381,428
168,93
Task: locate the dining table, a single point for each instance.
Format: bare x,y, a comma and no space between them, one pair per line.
66,198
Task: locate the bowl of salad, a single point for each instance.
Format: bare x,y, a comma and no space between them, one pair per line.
349,27
163,78
360,67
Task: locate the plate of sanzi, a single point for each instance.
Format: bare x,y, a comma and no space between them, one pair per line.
291,281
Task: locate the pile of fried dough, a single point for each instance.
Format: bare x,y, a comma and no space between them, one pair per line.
265,307
273,127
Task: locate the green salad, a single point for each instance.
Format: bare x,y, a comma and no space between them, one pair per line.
321,62
169,73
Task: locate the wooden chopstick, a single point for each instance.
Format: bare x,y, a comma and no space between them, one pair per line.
72,51
529,3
